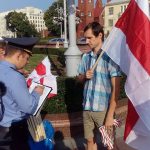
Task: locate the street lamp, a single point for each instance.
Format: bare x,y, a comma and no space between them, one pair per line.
59,19
65,26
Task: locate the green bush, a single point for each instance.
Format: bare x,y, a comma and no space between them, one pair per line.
50,51
68,99
122,91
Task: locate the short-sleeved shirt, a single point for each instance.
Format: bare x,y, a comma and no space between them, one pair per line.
17,101
97,91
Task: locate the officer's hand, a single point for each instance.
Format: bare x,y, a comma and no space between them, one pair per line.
24,72
39,89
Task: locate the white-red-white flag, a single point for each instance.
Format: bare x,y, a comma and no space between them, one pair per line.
42,74
129,46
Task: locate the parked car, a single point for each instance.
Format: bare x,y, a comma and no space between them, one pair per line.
81,41
55,40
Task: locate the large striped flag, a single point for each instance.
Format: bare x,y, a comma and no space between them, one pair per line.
42,74
129,46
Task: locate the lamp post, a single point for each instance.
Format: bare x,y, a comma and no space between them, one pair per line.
73,54
65,26
59,19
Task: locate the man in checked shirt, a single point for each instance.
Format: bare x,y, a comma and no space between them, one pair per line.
101,86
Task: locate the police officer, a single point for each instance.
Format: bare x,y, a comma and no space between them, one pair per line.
17,102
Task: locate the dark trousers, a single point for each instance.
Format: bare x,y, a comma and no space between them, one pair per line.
14,137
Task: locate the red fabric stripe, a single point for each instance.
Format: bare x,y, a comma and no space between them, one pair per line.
132,118
51,95
29,82
136,26
41,69
41,80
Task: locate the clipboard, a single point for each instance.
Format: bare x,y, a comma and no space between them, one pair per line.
43,97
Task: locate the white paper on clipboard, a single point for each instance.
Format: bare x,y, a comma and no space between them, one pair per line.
46,91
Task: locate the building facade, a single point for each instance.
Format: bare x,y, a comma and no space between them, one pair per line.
89,12
113,10
35,17
86,14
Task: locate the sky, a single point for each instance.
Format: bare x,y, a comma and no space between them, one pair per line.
6,5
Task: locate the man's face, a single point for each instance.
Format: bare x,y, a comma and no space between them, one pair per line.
23,60
92,40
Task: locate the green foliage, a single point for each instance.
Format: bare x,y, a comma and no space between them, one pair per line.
19,23
122,90
48,17
50,51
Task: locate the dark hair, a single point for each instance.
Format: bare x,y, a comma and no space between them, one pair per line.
11,50
96,29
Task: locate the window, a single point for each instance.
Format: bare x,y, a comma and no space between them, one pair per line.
89,14
111,10
82,1
82,14
149,5
110,22
125,7
121,9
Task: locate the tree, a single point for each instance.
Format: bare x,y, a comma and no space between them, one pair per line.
19,23
49,17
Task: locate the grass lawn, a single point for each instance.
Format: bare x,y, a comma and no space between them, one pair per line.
34,61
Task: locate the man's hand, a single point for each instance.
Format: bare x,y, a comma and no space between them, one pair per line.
109,126
89,74
39,89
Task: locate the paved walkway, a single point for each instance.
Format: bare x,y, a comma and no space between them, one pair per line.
79,143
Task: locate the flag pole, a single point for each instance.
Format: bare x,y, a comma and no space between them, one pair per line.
94,66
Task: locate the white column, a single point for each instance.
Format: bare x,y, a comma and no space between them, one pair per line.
65,26
73,54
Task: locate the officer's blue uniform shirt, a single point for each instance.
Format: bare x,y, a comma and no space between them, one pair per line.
18,102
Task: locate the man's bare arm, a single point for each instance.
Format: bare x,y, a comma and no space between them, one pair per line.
113,101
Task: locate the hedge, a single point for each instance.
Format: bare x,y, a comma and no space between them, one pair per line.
51,51
69,97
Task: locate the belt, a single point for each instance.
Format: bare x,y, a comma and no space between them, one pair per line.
16,124
6,129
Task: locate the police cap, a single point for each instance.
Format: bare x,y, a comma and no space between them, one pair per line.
24,43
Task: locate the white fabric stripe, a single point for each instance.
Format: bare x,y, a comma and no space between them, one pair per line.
138,83
50,81
47,64
136,138
144,6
